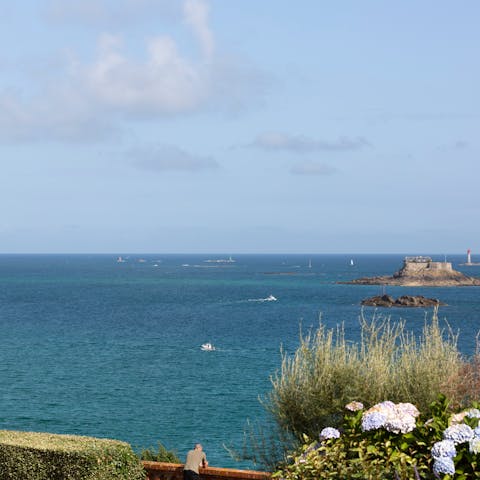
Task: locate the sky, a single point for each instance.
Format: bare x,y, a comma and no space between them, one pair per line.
239,126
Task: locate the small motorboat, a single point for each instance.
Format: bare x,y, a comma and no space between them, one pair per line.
207,347
271,298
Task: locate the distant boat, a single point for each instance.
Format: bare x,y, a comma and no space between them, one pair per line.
207,347
310,263
221,260
120,260
351,262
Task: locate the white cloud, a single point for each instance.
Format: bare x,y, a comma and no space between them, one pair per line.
165,83
91,99
312,168
170,158
196,15
302,144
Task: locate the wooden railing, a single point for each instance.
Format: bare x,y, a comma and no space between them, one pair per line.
174,471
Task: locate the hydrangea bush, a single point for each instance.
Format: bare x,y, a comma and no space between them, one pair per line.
392,441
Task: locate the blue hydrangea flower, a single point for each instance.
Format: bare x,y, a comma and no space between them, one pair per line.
460,433
444,465
329,432
445,448
476,432
373,421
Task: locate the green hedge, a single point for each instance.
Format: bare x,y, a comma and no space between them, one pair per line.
46,456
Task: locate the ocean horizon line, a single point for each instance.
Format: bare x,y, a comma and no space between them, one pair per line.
228,254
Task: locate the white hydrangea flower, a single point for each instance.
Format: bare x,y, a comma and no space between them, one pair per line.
354,406
408,408
473,413
394,418
457,418
474,445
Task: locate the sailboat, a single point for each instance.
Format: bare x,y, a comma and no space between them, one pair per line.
310,263
351,262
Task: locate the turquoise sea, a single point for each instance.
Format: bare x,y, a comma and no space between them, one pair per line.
95,347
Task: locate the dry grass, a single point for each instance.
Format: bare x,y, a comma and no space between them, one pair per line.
327,372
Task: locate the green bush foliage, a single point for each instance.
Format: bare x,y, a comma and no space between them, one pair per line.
328,371
45,456
161,455
357,451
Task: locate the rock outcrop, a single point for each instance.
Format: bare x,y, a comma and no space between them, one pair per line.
403,301
421,272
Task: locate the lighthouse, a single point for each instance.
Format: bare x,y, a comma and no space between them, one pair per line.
469,258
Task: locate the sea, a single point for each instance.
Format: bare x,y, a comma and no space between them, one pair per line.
91,345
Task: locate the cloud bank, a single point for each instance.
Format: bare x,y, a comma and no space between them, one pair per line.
301,144
166,158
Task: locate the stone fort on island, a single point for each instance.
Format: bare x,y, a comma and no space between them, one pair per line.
421,271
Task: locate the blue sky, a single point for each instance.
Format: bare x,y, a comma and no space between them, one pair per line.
239,126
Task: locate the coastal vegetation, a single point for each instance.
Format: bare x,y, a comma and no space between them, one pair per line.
392,441
418,381
46,456
160,455
328,371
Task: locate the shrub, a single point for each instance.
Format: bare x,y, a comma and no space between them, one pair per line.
327,371
264,444
45,456
392,441
161,455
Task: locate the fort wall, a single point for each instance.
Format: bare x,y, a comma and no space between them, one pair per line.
416,268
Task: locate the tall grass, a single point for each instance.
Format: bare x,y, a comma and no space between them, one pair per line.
388,363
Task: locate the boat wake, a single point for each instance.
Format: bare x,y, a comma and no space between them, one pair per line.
270,298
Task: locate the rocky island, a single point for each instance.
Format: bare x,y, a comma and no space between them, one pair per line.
421,272
403,301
